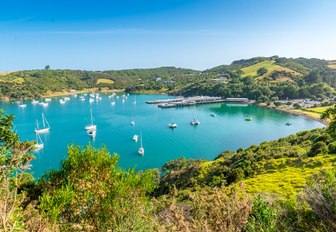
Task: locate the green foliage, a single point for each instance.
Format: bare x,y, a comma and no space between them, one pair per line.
320,194
261,71
91,190
263,216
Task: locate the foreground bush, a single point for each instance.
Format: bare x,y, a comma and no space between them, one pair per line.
89,192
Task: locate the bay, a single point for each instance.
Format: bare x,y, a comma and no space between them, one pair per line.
228,130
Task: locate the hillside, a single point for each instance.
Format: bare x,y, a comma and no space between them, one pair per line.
271,67
263,79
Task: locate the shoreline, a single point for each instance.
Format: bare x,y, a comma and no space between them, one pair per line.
66,93
298,114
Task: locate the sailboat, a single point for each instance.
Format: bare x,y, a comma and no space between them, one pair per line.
39,144
91,126
45,127
135,138
194,122
134,102
141,150
172,124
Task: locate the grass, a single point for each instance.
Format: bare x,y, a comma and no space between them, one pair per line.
269,65
18,80
104,81
333,65
287,176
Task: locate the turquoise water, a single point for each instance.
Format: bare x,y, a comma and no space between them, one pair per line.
228,130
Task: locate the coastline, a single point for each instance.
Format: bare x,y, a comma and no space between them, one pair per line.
66,93
298,114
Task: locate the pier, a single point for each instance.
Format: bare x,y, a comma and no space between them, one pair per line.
191,101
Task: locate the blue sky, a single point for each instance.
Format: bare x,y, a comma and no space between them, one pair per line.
104,35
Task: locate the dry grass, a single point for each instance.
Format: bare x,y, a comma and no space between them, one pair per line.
269,65
104,81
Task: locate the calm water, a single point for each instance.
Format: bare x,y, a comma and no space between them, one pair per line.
228,130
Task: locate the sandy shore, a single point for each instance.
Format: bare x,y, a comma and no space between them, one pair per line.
299,114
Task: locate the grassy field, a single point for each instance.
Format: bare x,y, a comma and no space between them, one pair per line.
17,80
287,176
333,66
269,65
104,81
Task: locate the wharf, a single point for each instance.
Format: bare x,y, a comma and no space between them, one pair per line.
191,101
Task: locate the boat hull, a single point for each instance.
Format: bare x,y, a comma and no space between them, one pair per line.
42,131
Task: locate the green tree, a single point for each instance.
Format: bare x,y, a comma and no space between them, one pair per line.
47,67
262,71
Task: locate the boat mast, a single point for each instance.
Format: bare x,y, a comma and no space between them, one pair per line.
37,125
91,117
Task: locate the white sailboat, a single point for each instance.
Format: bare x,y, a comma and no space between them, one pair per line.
141,150
39,144
135,138
194,122
113,103
45,125
91,126
134,102
34,102
172,124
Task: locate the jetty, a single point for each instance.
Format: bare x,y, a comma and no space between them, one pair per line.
191,101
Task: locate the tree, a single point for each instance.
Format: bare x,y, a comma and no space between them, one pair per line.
47,67
330,114
261,71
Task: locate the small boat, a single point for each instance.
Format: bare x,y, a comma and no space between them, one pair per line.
39,144
91,126
61,101
47,100
134,102
123,100
34,102
213,115
91,100
288,123
141,150
45,127
45,104
22,105
195,122
172,124
113,103
66,99
248,119
92,133
135,138
82,98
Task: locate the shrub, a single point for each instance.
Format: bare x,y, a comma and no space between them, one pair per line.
332,148
318,148
320,194
263,216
